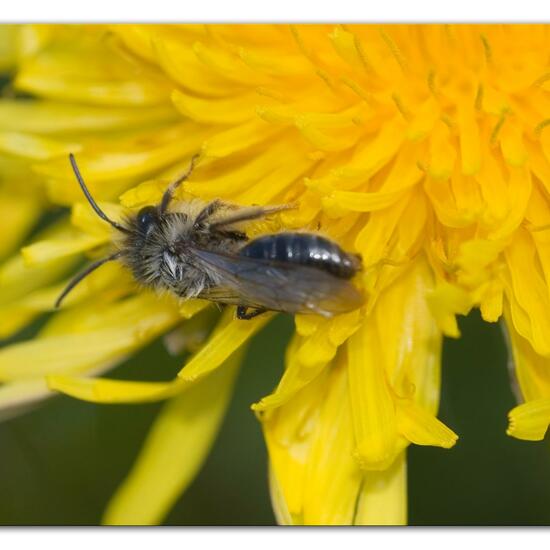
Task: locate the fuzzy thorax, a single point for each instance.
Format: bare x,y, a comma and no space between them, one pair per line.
158,252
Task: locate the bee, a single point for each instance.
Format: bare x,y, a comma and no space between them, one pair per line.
198,249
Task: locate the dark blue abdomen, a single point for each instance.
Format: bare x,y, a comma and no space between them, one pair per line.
305,249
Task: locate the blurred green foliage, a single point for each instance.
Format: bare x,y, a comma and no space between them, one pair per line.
60,463
488,478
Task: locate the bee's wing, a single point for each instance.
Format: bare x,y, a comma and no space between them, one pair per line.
277,286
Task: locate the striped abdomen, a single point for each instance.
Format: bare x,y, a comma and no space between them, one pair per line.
304,249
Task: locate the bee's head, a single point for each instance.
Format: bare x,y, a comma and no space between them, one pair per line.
137,229
147,220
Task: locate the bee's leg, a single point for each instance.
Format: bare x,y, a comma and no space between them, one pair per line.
245,316
234,235
250,213
169,193
207,211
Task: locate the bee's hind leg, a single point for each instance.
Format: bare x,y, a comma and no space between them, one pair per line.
234,235
245,315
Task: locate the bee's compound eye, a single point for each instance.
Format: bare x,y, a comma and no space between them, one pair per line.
147,217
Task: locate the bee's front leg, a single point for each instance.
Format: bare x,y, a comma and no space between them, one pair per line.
245,315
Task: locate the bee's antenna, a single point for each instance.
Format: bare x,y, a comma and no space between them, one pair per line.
93,204
84,273
169,193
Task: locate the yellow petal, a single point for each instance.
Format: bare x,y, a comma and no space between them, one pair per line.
332,478
370,156
44,251
325,135
18,214
532,369
410,339
306,325
50,117
403,175
63,353
345,44
103,390
191,307
181,64
82,74
317,349
103,286
13,319
511,142
231,67
239,138
424,120
307,357
280,509
470,146
8,34
519,194
422,428
372,240
475,258
289,434
294,378
111,169
274,186
492,303
233,110
442,153
174,450
32,38
84,217
229,336
373,410
530,421
80,339
17,279
530,291
441,196
35,147
19,397
363,202
383,496
445,302
228,183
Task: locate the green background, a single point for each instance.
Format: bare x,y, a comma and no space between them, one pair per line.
60,463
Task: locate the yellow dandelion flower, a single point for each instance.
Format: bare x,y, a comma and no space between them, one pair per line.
424,148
